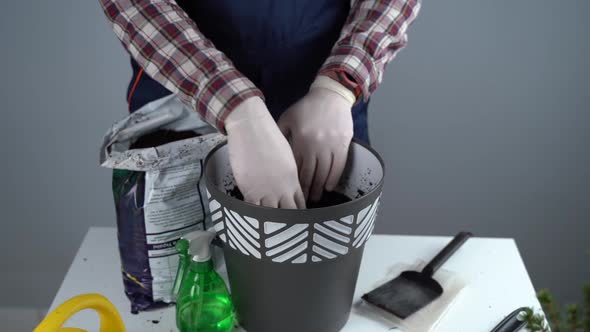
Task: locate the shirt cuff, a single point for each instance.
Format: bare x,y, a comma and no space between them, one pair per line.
326,82
355,62
222,94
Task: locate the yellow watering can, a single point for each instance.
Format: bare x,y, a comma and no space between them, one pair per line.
110,320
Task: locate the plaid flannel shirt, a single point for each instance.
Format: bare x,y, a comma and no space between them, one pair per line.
167,44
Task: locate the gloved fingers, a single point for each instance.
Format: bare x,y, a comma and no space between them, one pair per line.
284,127
322,170
251,200
300,199
307,170
287,202
338,164
269,201
298,161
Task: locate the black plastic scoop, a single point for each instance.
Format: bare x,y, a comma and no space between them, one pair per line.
413,290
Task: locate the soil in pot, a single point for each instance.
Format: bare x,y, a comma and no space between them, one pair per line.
329,198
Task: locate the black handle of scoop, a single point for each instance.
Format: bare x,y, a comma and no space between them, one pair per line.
512,323
446,253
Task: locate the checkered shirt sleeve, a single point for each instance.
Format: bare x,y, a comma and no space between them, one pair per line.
167,44
374,33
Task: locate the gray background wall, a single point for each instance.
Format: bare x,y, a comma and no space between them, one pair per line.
483,122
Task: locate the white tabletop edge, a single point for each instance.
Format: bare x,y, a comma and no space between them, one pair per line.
67,288
72,265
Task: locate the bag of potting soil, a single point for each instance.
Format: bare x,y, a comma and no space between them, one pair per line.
157,156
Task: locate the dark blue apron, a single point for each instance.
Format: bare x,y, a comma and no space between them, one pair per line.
278,44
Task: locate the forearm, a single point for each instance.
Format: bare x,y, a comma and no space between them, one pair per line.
167,44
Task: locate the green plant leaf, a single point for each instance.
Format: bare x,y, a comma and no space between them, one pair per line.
587,308
535,322
572,317
551,309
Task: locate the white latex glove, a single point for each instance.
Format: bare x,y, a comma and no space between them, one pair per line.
261,158
320,129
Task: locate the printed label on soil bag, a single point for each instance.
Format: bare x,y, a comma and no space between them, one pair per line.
173,208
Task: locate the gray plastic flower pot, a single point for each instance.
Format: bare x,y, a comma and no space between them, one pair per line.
295,270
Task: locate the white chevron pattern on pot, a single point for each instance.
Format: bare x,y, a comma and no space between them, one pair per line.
286,243
217,217
366,221
328,243
242,234
293,243
332,237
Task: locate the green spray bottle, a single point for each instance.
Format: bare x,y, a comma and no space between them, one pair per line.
203,303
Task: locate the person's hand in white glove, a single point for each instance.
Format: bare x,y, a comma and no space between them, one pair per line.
320,129
261,158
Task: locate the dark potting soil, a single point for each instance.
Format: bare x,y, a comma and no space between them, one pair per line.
161,137
329,198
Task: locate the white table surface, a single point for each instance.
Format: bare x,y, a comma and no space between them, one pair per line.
497,281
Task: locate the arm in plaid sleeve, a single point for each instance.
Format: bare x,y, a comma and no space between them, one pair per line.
373,34
167,44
